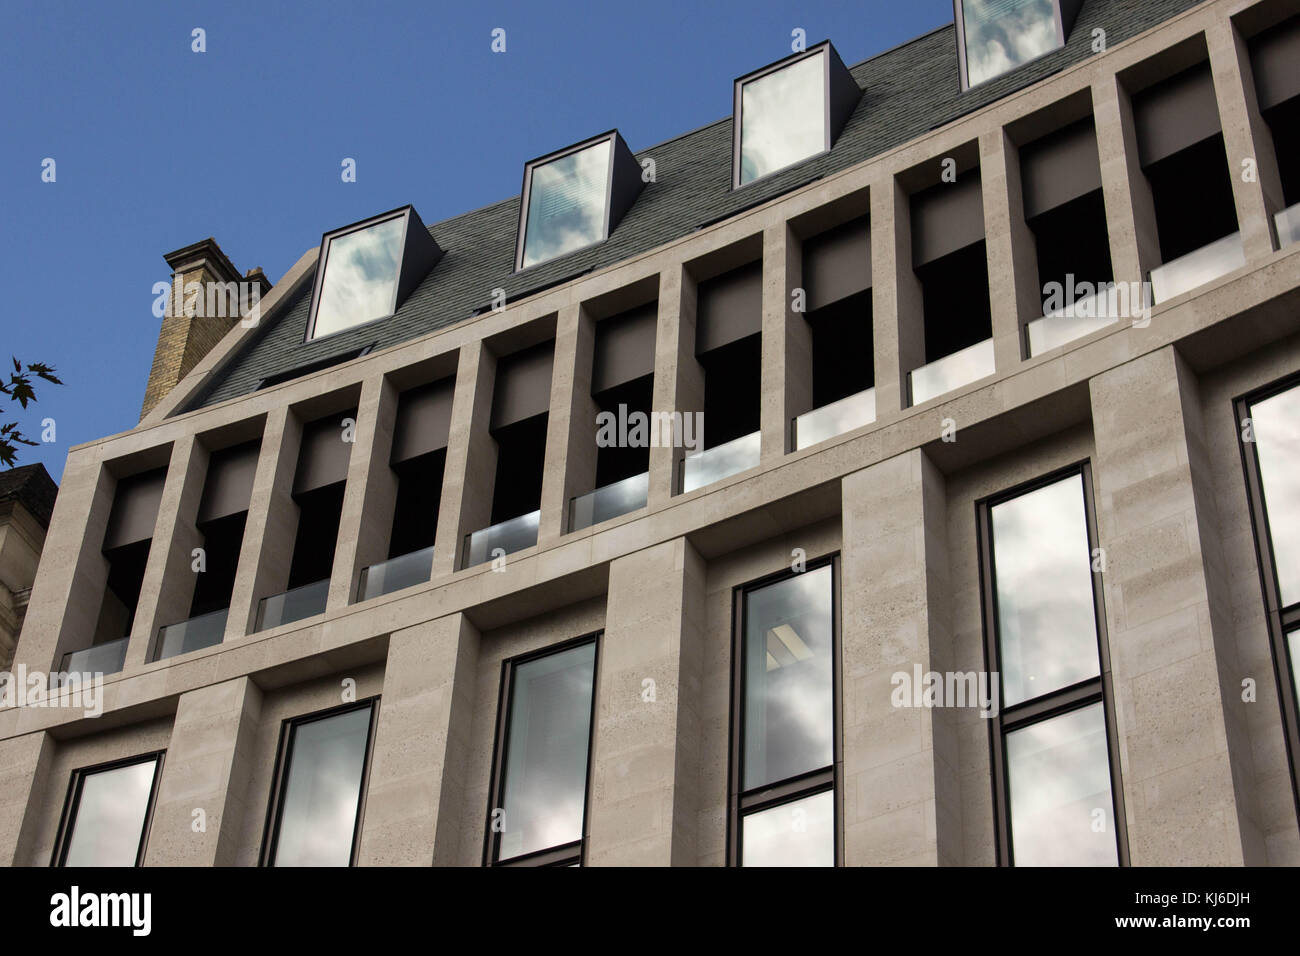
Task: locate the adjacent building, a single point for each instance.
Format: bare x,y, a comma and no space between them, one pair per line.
901,471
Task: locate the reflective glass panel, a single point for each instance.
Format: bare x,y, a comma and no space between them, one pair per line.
1058,774
1047,627
1275,422
360,280
566,204
318,814
1003,34
110,816
788,709
546,751
782,118
799,833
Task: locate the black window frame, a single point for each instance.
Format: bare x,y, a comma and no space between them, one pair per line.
741,803
1281,620
567,854
1055,703
72,802
284,761
1062,35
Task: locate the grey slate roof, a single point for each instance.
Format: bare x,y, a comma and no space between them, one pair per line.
909,91
32,486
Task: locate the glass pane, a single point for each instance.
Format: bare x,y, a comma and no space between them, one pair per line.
1047,626
566,204
1288,226
110,816
1276,424
788,712
510,536
834,419
951,372
782,118
1197,268
721,461
319,810
611,501
403,571
1059,777
1002,34
1293,646
360,277
106,658
800,833
546,751
192,635
295,605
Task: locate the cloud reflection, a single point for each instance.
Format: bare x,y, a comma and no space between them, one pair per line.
566,204
800,833
1003,34
1276,422
783,118
360,277
110,816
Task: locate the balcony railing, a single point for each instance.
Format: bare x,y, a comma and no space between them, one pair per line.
1197,268
293,605
192,635
1082,317
952,371
106,658
834,419
1288,226
609,501
403,571
714,464
506,537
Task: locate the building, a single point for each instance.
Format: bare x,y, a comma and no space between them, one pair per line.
996,346
26,499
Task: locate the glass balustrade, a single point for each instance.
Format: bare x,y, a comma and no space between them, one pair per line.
403,571
1197,268
503,538
834,419
609,501
293,605
714,464
106,658
192,635
1288,225
952,371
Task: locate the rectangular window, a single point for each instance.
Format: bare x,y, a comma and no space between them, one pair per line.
1055,769
106,815
366,270
790,111
320,782
537,815
996,36
1269,426
785,726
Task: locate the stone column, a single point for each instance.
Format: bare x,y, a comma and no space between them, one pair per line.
24,770
470,471
1014,293
679,378
570,424
898,307
1130,209
787,342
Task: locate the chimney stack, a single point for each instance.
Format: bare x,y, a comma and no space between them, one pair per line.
207,297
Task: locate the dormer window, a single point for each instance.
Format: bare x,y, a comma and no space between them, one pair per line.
997,36
575,198
366,270
790,111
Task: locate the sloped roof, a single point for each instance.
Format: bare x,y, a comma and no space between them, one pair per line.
32,486
908,91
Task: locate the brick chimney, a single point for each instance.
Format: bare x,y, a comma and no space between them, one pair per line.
207,298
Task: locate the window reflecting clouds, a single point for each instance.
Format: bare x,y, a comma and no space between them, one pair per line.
549,729
322,788
799,833
566,204
1059,779
1003,34
110,816
360,281
1276,425
789,719
1046,624
783,118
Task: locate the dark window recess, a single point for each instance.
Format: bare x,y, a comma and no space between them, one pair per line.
842,349
1284,123
732,388
222,540
1192,190
419,490
521,457
125,577
1072,240
319,512
616,462
956,293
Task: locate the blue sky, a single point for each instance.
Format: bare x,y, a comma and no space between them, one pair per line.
157,146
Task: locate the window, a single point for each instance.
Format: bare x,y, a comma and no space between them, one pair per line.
996,36
1054,768
106,816
1270,432
320,777
790,111
537,815
367,270
575,198
785,739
